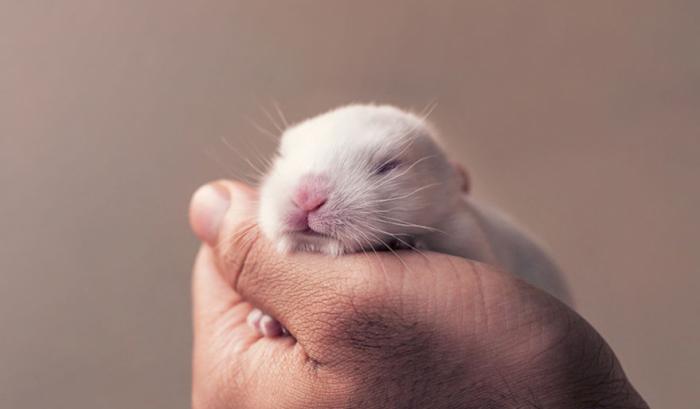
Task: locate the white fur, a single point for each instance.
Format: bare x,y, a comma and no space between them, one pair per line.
418,203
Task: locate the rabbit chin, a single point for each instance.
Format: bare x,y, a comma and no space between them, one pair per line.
292,242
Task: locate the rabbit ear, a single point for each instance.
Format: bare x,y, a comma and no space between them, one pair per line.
463,176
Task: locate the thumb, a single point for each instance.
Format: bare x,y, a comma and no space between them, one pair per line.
217,203
212,291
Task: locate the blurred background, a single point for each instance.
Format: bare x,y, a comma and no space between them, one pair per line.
582,119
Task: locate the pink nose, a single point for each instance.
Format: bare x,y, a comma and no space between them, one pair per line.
312,193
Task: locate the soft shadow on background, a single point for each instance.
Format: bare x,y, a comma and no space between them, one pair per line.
581,119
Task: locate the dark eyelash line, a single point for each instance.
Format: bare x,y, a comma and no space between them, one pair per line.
387,166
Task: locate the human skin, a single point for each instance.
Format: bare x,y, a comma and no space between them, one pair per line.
380,330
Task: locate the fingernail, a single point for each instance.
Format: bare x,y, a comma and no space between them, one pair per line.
209,206
253,318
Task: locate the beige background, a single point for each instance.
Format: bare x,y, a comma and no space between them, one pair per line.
580,118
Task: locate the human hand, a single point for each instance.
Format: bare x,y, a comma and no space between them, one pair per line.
380,330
